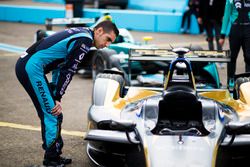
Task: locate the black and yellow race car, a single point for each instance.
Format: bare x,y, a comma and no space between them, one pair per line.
175,125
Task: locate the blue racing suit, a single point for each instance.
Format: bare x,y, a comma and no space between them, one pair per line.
60,53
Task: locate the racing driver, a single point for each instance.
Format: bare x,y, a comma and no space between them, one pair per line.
60,54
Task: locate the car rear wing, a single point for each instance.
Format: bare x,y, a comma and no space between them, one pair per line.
169,55
49,22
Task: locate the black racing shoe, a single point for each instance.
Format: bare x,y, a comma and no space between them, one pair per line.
52,163
65,161
57,162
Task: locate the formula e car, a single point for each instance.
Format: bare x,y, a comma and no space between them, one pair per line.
151,73
178,125
98,60
117,55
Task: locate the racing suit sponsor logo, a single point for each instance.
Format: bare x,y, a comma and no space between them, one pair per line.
74,67
71,30
81,56
211,2
237,4
75,29
43,95
84,49
65,83
58,147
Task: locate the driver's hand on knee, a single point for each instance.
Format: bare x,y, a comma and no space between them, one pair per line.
221,41
57,110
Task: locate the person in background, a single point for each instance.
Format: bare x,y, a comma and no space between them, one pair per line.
237,13
60,53
210,15
191,9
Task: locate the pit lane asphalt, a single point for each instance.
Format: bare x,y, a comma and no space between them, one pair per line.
20,139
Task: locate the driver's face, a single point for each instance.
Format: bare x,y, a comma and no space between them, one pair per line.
102,39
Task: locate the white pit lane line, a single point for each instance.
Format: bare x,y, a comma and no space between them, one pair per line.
12,48
37,128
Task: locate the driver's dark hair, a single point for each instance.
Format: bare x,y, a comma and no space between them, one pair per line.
108,26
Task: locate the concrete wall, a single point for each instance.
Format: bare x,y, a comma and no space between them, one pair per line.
140,20
159,5
152,5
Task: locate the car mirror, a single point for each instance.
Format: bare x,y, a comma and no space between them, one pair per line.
238,128
112,136
121,125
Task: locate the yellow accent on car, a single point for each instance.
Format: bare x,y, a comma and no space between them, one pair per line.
245,92
166,81
215,152
113,92
224,96
134,94
193,80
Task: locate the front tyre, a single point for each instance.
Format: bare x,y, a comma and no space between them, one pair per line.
101,61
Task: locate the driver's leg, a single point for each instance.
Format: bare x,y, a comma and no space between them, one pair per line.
246,48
